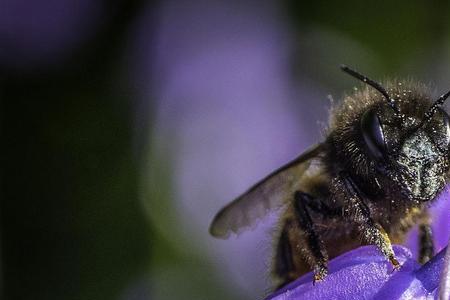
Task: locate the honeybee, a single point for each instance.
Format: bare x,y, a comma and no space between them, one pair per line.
384,159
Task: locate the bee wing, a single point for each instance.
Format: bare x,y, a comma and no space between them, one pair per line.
270,193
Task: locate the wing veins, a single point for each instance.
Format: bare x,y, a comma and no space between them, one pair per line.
264,196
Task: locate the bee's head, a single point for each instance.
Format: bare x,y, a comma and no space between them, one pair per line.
412,152
408,141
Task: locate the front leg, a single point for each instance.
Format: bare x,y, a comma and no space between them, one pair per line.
426,247
315,251
358,211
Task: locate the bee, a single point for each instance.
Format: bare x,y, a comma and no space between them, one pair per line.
384,159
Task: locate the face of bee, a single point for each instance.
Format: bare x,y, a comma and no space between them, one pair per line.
412,155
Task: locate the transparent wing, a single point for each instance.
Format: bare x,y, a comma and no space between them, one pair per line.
270,193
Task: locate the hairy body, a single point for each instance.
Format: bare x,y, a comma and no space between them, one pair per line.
337,221
383,161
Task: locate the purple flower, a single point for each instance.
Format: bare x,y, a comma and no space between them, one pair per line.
364,273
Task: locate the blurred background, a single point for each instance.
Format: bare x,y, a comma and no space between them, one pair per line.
128,124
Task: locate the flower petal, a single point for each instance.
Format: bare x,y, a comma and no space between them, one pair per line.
357,274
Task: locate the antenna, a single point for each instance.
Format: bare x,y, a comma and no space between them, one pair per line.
373,84
430,113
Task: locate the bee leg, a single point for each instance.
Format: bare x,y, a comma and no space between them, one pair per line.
315,250
372,232
284,267
426,250
318,206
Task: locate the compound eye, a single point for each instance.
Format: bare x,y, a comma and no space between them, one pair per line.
446,120
373,134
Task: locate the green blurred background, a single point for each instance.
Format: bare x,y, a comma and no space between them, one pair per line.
128,124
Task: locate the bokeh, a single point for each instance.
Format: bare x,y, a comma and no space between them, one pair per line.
128,124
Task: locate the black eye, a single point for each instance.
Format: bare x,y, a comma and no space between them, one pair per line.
444,143
373,134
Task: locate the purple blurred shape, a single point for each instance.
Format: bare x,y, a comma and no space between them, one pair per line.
364,273
224,116
41,32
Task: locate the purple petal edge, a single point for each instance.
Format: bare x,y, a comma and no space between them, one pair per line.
444,288
365,273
